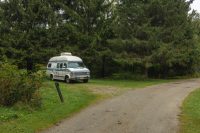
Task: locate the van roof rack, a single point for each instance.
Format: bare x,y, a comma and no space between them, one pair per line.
66,54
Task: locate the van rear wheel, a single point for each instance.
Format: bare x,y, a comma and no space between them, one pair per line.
51,77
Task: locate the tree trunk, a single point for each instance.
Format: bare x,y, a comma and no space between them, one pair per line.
146,70
29,65
103,66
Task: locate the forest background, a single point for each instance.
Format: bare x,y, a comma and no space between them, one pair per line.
121,38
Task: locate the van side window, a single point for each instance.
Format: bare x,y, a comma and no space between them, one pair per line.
61,65
65,65
58,65
49,65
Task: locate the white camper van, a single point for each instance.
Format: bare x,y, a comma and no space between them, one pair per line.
68,68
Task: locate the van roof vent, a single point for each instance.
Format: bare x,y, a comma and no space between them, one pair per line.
66,54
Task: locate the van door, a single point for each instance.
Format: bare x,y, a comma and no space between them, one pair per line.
64,70
61,71
56,72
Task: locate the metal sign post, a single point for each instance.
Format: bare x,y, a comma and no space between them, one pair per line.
59,92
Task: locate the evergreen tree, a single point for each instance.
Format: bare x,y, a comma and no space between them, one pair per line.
84,29
157,36
135,35
24,30
177,53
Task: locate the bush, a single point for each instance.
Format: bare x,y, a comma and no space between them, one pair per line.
18,86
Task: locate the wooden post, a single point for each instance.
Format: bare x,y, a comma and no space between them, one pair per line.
59,92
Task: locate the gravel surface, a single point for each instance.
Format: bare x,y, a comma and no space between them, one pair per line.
153,109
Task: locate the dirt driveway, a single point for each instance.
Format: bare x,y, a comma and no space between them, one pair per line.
153,109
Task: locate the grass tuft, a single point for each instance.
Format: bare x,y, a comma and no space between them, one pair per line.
190,118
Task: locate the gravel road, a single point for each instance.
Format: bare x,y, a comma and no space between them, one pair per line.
153,109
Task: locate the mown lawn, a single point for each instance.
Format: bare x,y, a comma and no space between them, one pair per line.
190,118
77,96
129,83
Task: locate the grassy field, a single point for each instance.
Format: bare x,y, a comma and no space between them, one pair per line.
190,118
77,96
128,83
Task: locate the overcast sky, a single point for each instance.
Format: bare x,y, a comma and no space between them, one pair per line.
196,5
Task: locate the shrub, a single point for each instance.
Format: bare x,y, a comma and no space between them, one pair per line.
39,67
16,85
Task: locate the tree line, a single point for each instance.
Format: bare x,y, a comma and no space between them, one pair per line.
155,38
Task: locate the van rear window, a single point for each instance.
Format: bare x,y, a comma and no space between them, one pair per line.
49,65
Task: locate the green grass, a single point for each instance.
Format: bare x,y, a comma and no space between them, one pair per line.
77,96
190,118
128,83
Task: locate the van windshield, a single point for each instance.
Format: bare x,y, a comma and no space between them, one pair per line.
75,64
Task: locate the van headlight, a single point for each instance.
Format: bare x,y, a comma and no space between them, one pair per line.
71,74
88,73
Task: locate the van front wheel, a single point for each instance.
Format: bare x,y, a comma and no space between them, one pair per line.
67,80
85,80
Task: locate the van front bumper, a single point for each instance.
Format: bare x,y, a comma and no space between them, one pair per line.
80,77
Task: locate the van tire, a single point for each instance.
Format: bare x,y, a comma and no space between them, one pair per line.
51,77
67,80
85,81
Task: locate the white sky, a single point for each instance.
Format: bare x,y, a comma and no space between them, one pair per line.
196,5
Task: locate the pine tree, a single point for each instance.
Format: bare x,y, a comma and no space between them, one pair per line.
24,30
85,27
177,53
157,36
134,33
